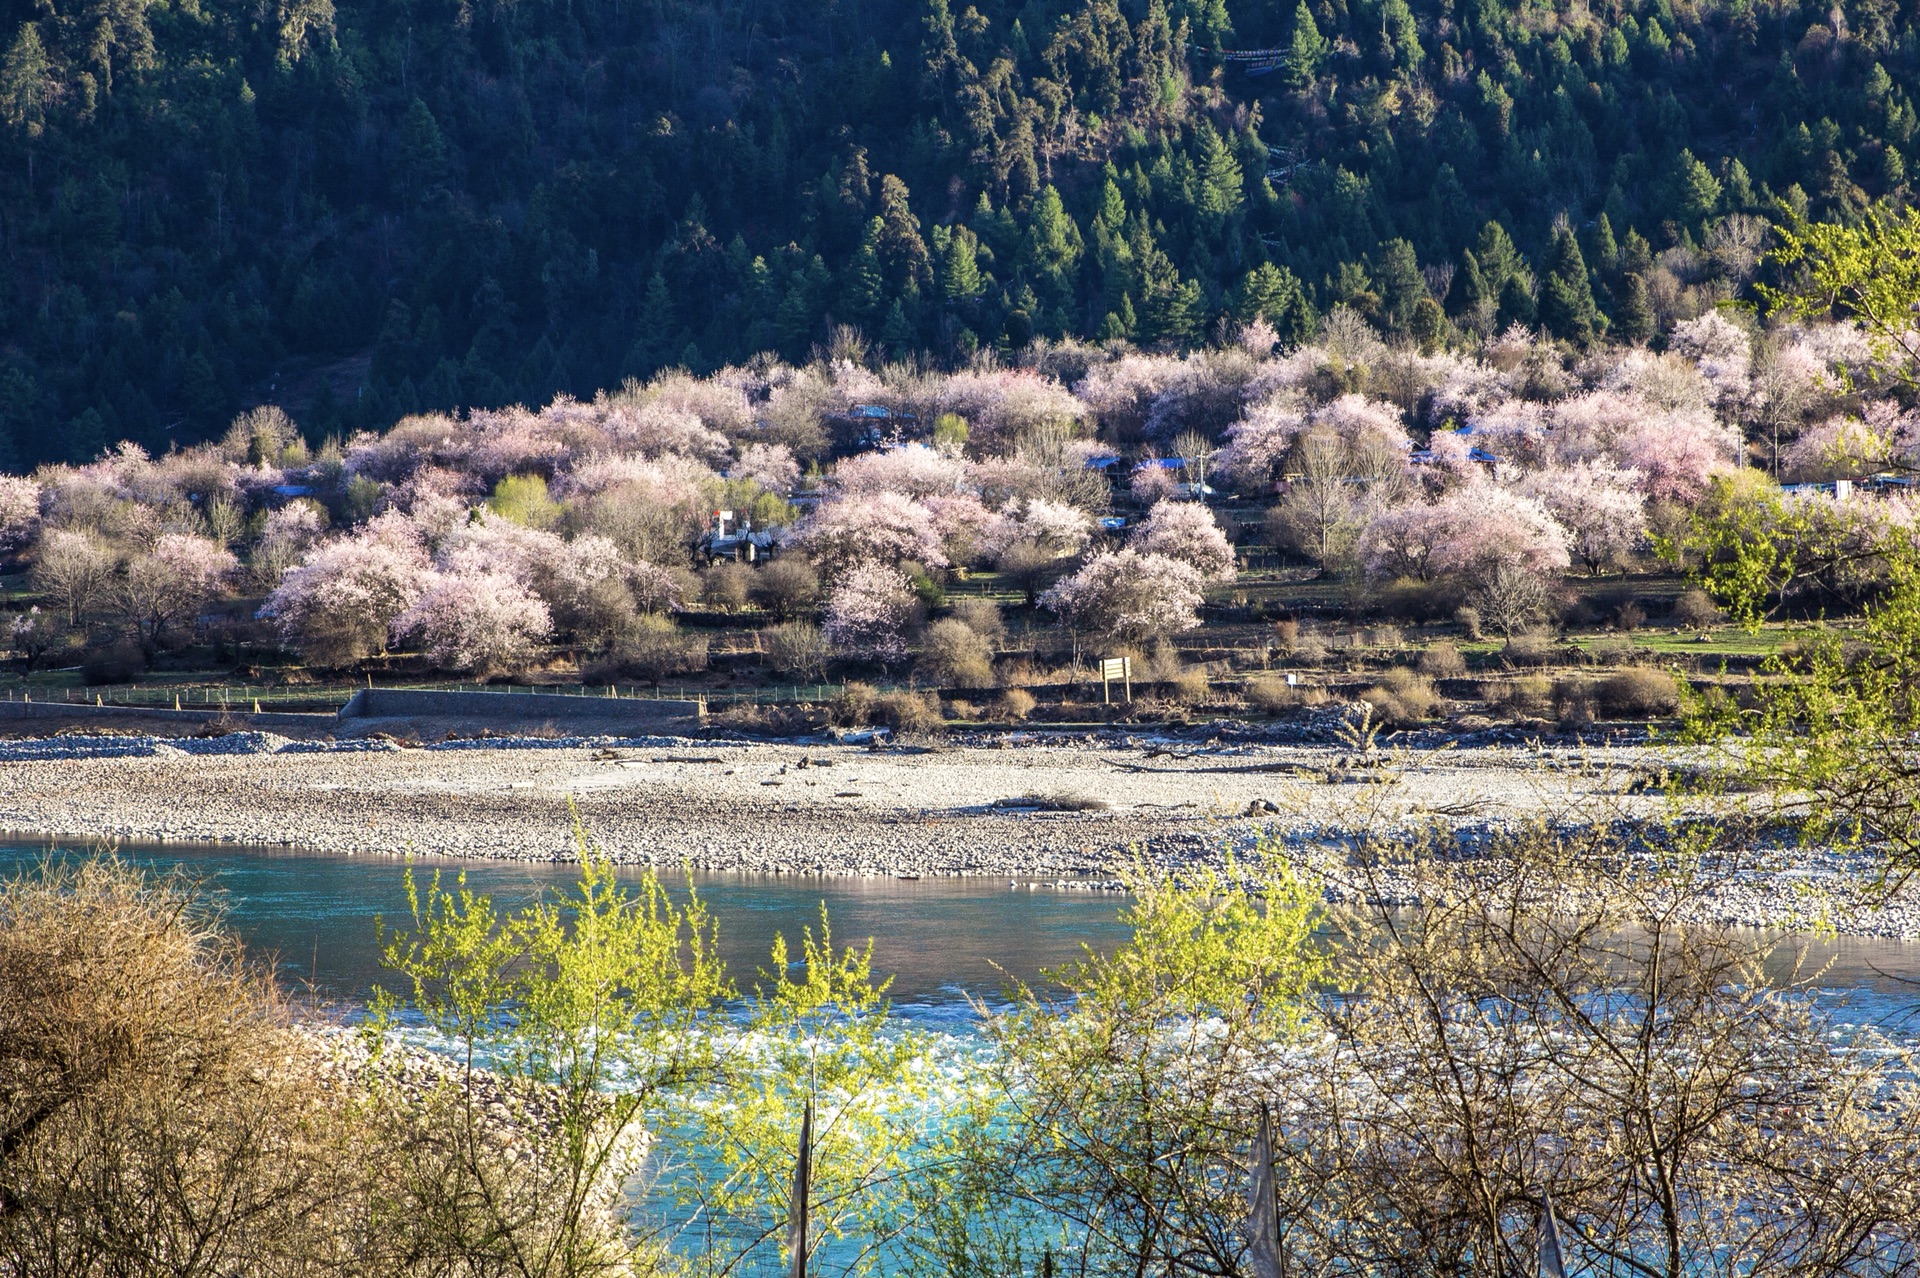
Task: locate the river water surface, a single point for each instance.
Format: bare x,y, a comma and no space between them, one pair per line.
940,939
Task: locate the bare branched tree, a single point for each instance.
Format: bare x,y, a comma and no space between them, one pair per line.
1559,1020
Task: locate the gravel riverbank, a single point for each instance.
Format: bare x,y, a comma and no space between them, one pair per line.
1052,810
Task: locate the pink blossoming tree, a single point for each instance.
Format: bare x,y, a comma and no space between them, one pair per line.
912,470
868,612
883,527
1464,534
1260,441
1600,507
1128,596
475,622
1185,531
339,606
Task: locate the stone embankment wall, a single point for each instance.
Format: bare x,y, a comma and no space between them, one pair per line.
50,716
605,715
373,708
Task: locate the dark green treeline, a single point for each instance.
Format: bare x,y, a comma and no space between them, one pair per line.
443,204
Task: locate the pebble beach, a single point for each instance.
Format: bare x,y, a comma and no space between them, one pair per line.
1066,811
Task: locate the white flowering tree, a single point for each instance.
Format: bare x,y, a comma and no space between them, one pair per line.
74,568
339,605
19,511
868,612
476,622
169,583
1128,596
1185,531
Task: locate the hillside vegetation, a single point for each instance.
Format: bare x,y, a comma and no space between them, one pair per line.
1209,513
368,209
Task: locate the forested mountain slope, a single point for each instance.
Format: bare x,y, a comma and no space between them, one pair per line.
466,204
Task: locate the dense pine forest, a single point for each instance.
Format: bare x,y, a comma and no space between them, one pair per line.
366,209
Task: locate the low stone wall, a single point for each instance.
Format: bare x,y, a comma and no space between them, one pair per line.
604,715
52,714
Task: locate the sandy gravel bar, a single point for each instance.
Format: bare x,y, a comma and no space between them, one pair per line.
847,809
807,808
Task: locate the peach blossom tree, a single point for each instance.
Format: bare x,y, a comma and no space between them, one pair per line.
1128,596
339,605
1186,531
478,622
868,612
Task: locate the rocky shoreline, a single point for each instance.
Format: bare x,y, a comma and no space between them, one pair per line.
1055,811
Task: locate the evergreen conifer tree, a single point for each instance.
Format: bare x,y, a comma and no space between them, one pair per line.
1397,279
960,281
902,253
863,290
1633,318
1267,291
897,330
1118,326
1606,251
656,329
1050,251
1222,188
1307,49
1468,289
1566,295
28,85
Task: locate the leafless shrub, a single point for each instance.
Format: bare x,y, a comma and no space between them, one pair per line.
1270,694
1616,651
768,720
1403,698
853,706
1311,648
1511,596
160,1112
1555,1021
1022,673
982,616
1015,704
787,587
1640,692
1525,697
954,654
1054,803
654,649
1528,648
1442,661
1190,686
916,713
1573,701
796,649
727,586
1693,610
